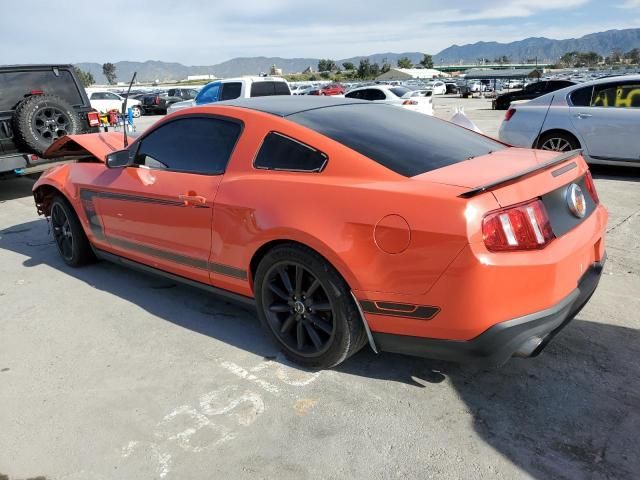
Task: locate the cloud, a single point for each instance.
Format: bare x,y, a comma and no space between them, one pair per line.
206,32
630,4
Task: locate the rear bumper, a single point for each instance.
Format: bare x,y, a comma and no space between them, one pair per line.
524,336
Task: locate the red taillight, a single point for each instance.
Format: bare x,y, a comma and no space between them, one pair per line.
521,227
410,102
588,180
94,119
157,100
510,113
37,92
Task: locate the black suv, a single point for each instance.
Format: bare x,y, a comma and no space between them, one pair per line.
38,105
158,102
531,91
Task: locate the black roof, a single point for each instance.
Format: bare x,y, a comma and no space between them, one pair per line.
285,105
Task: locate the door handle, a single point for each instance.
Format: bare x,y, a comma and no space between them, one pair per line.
192,199
584,115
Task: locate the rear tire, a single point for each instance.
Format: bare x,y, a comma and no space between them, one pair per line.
557,142
136,111
73,244
307,307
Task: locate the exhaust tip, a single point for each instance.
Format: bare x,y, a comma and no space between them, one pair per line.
528,348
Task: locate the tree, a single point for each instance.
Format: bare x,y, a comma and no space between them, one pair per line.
375,70
326,65
404,62
633,56
427,61
109,71
325,75
348,66
364,69
86,79
385,67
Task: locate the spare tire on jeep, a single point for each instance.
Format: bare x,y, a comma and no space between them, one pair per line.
41,119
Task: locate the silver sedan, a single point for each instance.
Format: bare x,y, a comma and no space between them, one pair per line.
601,117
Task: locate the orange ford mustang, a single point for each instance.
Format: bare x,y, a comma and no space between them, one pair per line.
344,222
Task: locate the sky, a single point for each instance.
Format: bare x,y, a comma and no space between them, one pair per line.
206,32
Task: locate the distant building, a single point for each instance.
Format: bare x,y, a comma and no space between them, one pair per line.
202,77
411,74
309,69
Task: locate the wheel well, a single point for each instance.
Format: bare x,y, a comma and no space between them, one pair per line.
264,249
557,131
43,196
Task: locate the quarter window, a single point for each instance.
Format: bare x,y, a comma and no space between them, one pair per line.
283,153
193,145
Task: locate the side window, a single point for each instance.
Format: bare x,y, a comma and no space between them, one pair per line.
194,145
230,90
208,94
97,96
375,94
111,96
581,97
616,95
355,94
279,152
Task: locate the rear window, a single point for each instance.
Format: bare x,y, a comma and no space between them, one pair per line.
15,85
400,91
409,143
264,89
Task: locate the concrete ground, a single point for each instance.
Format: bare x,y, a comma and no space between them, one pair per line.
106,373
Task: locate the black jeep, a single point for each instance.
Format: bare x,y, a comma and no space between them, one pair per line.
39,104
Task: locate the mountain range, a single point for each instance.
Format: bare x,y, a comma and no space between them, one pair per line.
545,50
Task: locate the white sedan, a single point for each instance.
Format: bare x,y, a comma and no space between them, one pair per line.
401,96
437,87
600,117
104,102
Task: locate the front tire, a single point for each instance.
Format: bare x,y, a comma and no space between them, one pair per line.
72,243
307,307
136,111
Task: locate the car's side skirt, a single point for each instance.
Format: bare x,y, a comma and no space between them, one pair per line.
235,297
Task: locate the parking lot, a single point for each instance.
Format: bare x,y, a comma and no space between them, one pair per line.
107,373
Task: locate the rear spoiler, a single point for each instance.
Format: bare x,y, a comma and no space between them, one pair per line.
563,157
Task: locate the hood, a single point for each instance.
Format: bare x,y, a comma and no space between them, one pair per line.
180,105
98,145
488,168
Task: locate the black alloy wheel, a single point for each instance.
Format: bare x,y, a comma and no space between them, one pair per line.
70,238
51,123
62,231
307,307
299,310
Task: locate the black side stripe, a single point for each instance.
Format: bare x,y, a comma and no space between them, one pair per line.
87,196
229,271
156,252
393,309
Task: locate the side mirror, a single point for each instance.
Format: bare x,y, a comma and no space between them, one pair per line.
118,159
